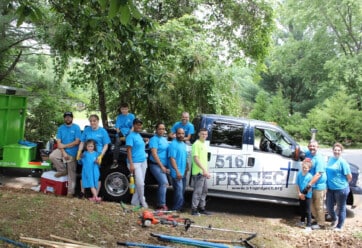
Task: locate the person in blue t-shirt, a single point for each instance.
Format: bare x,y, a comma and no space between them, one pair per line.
159,164
64,157
124,123
318,184
186,125
338,178
304,194
137,162
90,170
101,138
177,155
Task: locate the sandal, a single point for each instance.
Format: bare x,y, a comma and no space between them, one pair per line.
81,195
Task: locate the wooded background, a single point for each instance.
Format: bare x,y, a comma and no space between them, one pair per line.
295,62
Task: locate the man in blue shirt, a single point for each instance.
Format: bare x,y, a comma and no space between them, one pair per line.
64,157
318,184
177,155
186,125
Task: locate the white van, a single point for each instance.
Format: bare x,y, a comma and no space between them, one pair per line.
254,160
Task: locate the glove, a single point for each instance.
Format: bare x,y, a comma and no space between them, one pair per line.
306,189
99,159
79,155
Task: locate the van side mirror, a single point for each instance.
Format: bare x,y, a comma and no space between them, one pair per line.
297,154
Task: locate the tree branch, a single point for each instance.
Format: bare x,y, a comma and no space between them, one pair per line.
11,67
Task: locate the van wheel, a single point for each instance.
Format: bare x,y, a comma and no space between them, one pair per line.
115,186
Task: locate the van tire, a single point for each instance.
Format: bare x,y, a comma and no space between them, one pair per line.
115,185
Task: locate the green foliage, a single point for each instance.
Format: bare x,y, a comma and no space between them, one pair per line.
41,125
337,120
334,28
277,110
271,108
260,106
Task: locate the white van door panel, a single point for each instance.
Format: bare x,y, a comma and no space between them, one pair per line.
226,167
273,175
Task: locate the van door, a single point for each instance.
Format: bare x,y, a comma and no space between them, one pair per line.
271,169
227,162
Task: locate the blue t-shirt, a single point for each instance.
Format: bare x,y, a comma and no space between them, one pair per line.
303,181
188,128
90,169
337,169
135,140
318,165
68,134
100,136
124,123
160,143
177,150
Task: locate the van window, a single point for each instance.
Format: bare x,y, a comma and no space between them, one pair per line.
268,140
227,135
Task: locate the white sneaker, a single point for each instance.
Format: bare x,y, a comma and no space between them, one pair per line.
337,229
36,188
300,224
334,223
308,229
316,227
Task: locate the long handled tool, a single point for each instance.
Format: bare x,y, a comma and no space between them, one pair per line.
190,241
141,245
189,223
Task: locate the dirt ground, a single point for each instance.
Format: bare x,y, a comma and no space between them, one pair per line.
26,213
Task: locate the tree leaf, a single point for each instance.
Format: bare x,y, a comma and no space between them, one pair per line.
103,4
125,14
114,8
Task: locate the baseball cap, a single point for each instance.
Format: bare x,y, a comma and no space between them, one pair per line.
68,114
135,121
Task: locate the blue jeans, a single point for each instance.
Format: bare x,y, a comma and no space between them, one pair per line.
178,194
162,184
339,198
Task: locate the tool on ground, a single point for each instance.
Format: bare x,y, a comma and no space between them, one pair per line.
163,212
233,242
189,224
141,245
132,185
193,242
13,242
147,219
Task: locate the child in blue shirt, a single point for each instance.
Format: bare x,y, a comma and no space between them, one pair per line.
124,124
304,194
90,171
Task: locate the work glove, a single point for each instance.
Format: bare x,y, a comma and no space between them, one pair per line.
79,155
306,189
99,159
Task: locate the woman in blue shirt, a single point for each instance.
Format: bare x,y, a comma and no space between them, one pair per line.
101,138
158,164
338,178
137,162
